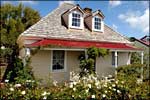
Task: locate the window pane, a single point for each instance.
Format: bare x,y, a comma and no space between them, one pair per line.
97,23
76,19
58,59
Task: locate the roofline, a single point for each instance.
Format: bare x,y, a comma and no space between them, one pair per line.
77,6
131,47
117,32
73,39
98,12
140,41
144,37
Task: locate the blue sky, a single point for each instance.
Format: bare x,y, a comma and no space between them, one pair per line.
130,18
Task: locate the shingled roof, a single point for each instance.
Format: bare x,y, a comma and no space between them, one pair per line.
51,27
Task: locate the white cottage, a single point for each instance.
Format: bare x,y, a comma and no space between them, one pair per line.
67,32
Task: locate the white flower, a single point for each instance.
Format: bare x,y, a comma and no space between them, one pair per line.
103,95
84,78
139,81
122,82
110,76
17,85
74,83
118,91
93,96
48,93
114,89
11,89
44,93
23,92
113,85
33,81
97,83
116,82
105,91
71,85
87,90
110,88
105,85
28,80
6,81
72,95
55,83
2,47
106,78
44,98
89,85
74,89
99,87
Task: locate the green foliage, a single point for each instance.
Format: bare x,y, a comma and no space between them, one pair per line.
135,58
85,88
94,52
14,20
87,65
133,69
20,73
6,52
131,75
13,23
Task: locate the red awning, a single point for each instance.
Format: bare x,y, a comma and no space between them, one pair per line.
83,44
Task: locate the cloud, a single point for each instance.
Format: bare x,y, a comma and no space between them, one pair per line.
28,2
114,27
61,2
114,3
4,2
23,2
144,3
137,20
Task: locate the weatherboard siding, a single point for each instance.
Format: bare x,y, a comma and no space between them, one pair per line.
41,64
104,64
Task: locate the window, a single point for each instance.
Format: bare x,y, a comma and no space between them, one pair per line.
113,59
76,19
58,60
97,23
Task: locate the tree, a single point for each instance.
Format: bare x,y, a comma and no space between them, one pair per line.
14,20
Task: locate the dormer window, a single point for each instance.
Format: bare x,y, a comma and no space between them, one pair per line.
76,19
97,23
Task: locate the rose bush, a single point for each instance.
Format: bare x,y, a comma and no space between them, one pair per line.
123,87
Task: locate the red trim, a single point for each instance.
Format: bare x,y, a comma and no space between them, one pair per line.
83,44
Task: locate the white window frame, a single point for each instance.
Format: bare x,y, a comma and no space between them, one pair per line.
81,20
93,24
65,62
113,58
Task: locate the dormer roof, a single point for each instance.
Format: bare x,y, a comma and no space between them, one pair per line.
77,7
98,12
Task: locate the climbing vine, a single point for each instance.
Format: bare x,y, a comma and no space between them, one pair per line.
88,61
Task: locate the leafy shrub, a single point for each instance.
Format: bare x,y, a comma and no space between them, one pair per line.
131,75
20,73
87,88
87,64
